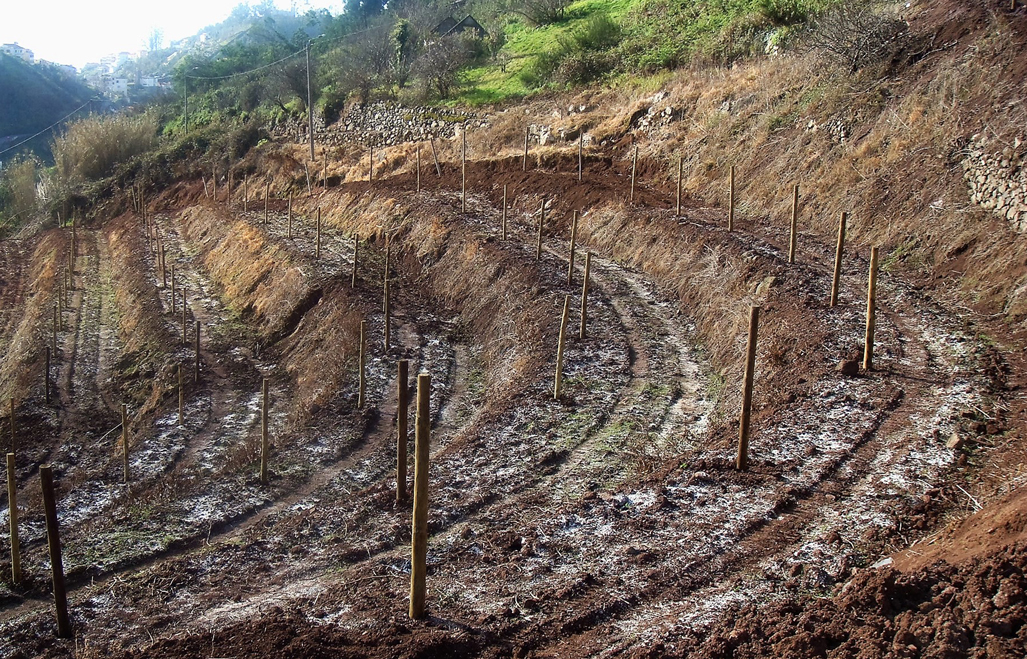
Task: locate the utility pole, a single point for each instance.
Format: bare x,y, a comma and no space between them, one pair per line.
186,78
310,107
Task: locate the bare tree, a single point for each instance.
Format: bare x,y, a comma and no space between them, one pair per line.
438,66
541,12
857,33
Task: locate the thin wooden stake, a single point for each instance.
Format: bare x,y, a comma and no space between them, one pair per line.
557,389
12,503
680,168
574,237
731,200
214,182
584,295
385,272
402,410
435,157
868,346
264,444
181,396
55,328
524,160
14,441
419,531
206,190
541,221
53,540
742,461
794,224
124,441
838,250
504,211
362,363
634,161
463,170
306,170
388,315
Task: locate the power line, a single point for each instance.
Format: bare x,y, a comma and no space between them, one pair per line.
10,148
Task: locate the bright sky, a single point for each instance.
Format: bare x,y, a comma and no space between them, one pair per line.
79,31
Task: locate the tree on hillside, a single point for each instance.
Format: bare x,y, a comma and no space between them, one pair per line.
438,66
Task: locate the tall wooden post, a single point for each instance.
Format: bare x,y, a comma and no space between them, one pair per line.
463,170
385,271
524,160
634,162
559,347
264,444
361,364
838,250
742,461
53,539
214,182
124,441
356,253
163,263
574,237
317,238
14,442
584,295
731,200
581,138
794,224
419,531
680,167
46,377
388,314
541,221
417,150
402,409
435,157
868,346
55,328
196,367
12,502
181,396
504,211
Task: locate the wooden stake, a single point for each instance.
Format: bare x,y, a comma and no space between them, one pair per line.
574,237
264,444
14,442
504,211
362,362
463,170
356,253
290,213
181,396
306,170
838,249
206,190
435,157
317,239
581,138
53,539
12,503
868,347
196,368
163,264
388,314
524,160
418,152
419,531
124,441
541,220
731,200
634,161
402,409
742,461
55,328
46,377
794,224
214,182
559,348
680,168
385,272
584,295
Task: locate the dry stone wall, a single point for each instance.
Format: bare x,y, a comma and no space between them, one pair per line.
997,178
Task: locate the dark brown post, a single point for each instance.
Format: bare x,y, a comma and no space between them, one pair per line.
53,539
794,224
12,501
504,211
124,441
559,347
14,443
838,249
574,237
742,461
317,239
419,532
264,444
362,362
196,369
388,313
385,273
731,200
680,167
584,295
868,347
541,221
356,253
55,328
163,262
524,160
634,161
46,377
402,409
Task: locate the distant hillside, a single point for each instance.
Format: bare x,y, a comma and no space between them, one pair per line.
35,96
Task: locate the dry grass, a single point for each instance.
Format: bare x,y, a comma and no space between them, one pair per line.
90,148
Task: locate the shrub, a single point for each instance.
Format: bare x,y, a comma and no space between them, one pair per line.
857,34
91,148
599,33
541,12
785,12
584,67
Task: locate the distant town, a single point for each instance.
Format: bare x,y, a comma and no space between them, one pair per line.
107,76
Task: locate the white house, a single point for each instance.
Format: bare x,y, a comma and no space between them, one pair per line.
148,81
14,50
119,85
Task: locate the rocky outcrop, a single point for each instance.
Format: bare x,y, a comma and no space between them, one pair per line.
997,179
